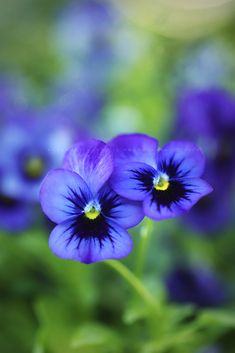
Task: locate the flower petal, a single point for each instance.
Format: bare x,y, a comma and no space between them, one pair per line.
134,148
154,209
124,212
92,160
62,193
133,180
117,245
181,159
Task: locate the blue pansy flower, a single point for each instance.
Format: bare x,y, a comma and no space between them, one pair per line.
91,218
15,214
29,151
195,285
207,117
168,182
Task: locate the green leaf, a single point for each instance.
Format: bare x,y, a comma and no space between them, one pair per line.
135,311
92,337
217,319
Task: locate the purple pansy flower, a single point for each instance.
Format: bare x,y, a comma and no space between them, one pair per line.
207,117
195,285
29,149
168,182
15,214
91,218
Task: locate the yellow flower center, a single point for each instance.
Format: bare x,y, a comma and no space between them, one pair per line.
92,214
162,183
92,210
34,167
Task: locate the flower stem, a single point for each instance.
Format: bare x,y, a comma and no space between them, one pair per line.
134,282
145,236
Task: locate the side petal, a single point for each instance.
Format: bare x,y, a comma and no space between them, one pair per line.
133,180
180,159
154,209
63,194
92,160
134,148
117,245
115,208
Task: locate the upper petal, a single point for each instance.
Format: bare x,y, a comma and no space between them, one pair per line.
180,159
92,160
117,245
159,208
133,180
63,194
134,148
124,212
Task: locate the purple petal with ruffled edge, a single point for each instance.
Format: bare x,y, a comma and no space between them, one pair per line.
117,245
124,212
92,160
157,211
59,188
133,180
186,158
134,148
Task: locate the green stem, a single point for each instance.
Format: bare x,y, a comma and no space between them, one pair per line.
134,282
145,236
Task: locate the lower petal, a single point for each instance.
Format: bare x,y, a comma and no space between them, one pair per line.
157,211
117,244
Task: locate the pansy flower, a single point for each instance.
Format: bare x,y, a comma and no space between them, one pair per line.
15,214
207,117
168,182
195,285
91,218
30,149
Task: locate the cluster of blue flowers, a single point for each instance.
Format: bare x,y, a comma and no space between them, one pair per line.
104,189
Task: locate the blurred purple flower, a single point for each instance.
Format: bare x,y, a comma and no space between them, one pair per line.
83,36
15,215
168,182
76,105
92,219
195,285
208,118
30,146
30,149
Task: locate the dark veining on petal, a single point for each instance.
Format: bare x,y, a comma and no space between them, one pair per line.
110,202
81,227
144,177
173,168
177,191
